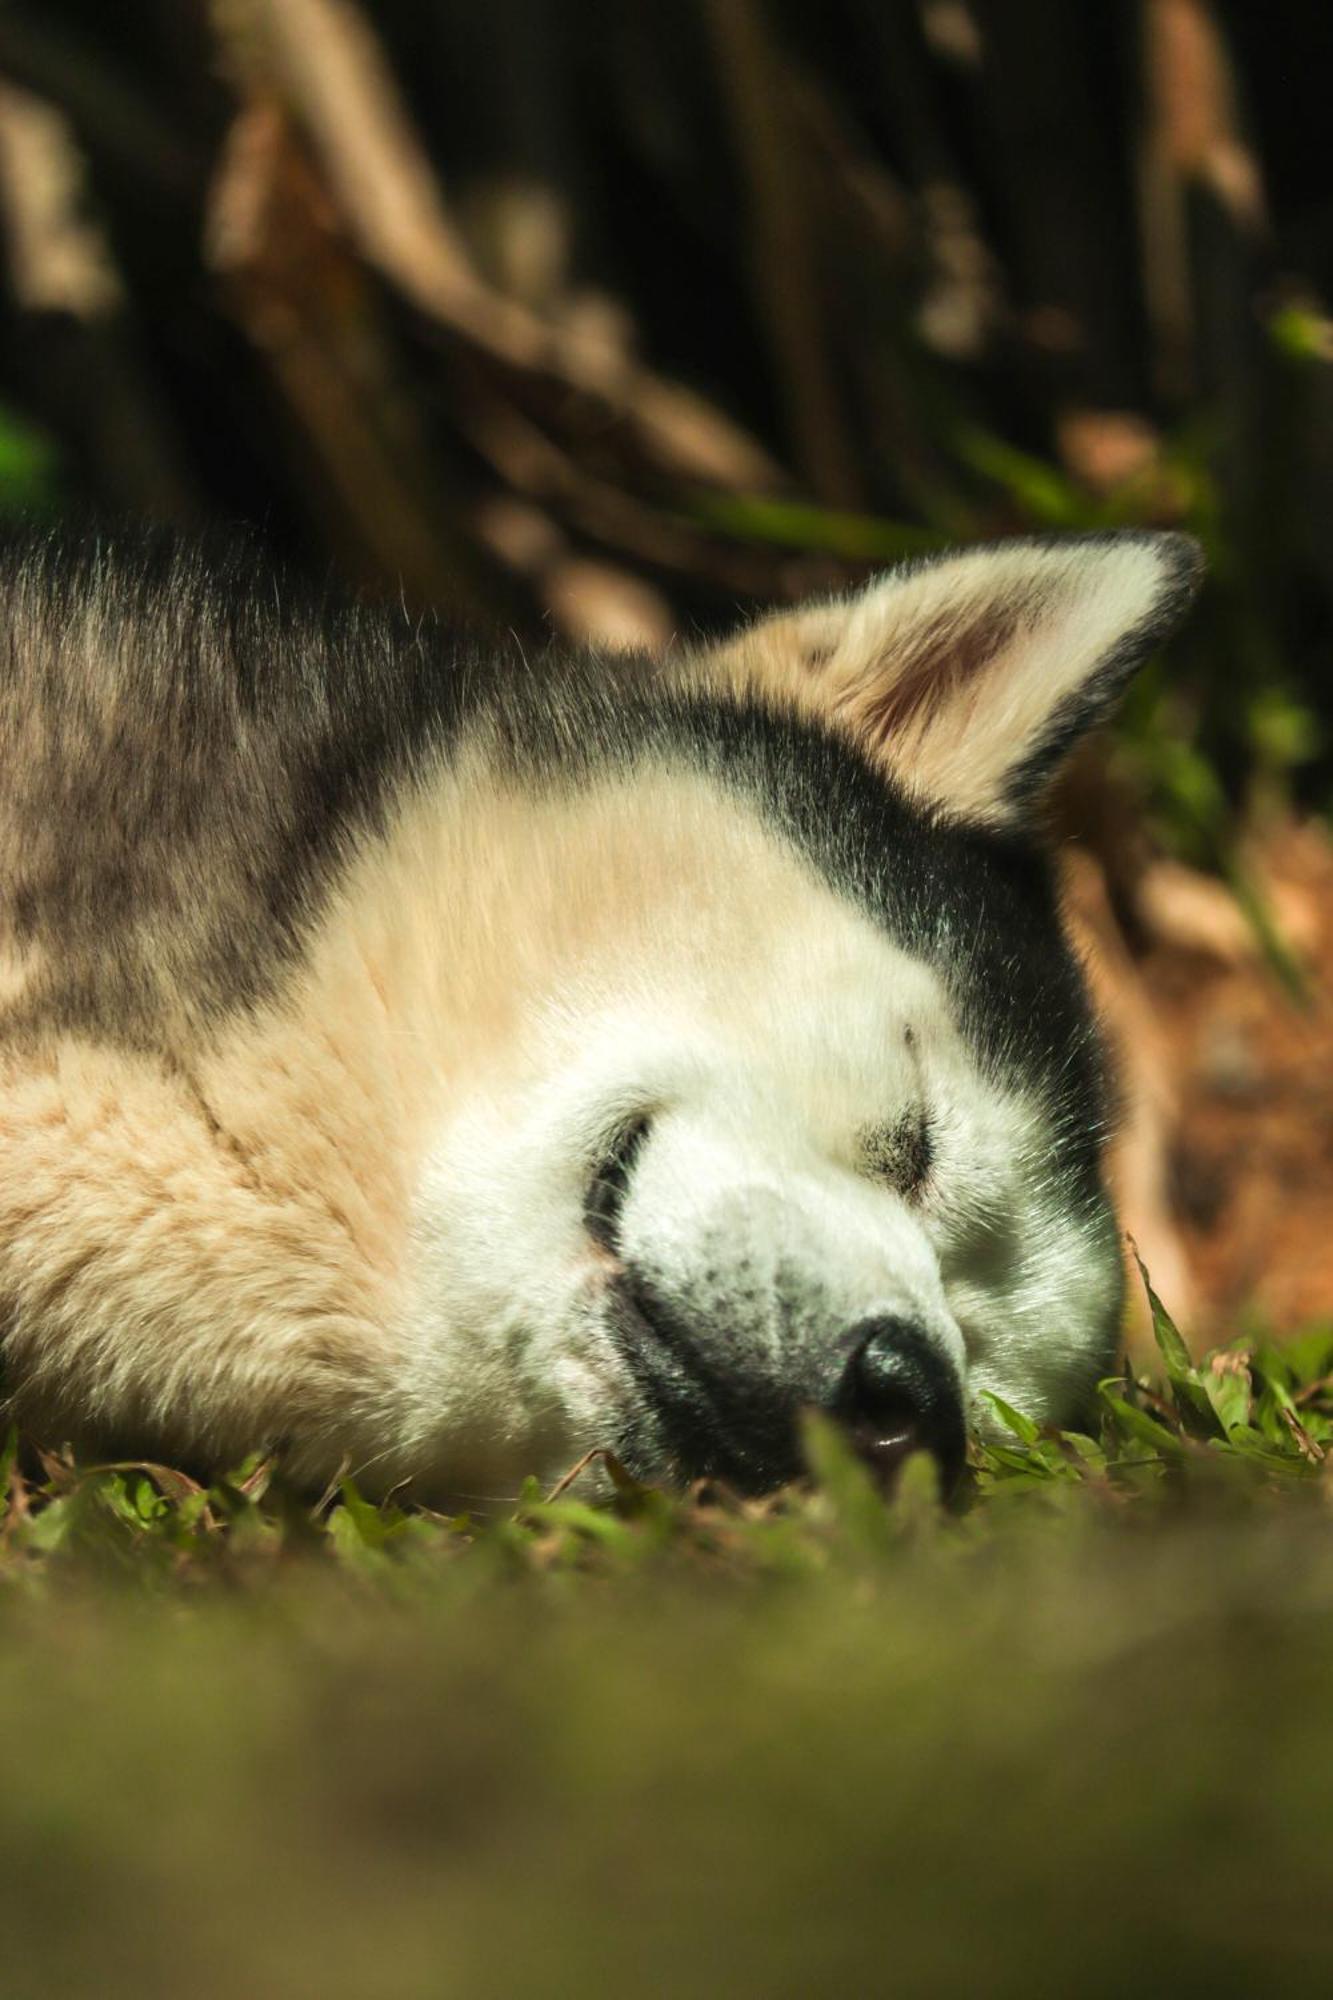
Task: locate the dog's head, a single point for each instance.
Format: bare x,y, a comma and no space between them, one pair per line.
794,1098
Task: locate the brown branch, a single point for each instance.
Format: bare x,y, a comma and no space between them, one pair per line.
328,67
304,302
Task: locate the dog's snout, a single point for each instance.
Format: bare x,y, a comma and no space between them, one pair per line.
899,1395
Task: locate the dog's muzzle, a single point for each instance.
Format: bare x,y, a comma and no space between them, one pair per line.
895,1394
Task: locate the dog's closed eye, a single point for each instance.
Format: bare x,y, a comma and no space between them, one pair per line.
610,1182
901,1154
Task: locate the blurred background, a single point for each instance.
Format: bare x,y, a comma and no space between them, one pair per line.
621,320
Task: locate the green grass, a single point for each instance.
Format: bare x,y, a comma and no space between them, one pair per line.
1075,1735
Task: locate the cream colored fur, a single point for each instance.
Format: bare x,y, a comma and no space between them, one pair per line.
949,673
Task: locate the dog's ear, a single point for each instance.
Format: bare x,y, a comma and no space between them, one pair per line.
969,676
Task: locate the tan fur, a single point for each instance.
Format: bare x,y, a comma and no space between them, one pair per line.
214,1248
948,674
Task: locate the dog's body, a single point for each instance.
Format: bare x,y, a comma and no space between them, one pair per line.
422,1062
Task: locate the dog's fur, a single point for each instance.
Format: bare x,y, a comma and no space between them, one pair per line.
420,1060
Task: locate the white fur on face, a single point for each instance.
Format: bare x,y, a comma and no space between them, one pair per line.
769,1028
762,1032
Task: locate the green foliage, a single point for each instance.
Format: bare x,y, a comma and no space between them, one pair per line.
791,524
1256,1419
28,483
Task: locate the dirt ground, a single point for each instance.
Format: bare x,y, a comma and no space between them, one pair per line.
1247,1079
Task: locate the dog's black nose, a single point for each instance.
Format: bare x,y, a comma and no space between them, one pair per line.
900,1395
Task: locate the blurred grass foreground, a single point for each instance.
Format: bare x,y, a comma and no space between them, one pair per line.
1072,1737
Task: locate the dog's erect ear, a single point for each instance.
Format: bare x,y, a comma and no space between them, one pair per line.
969,676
